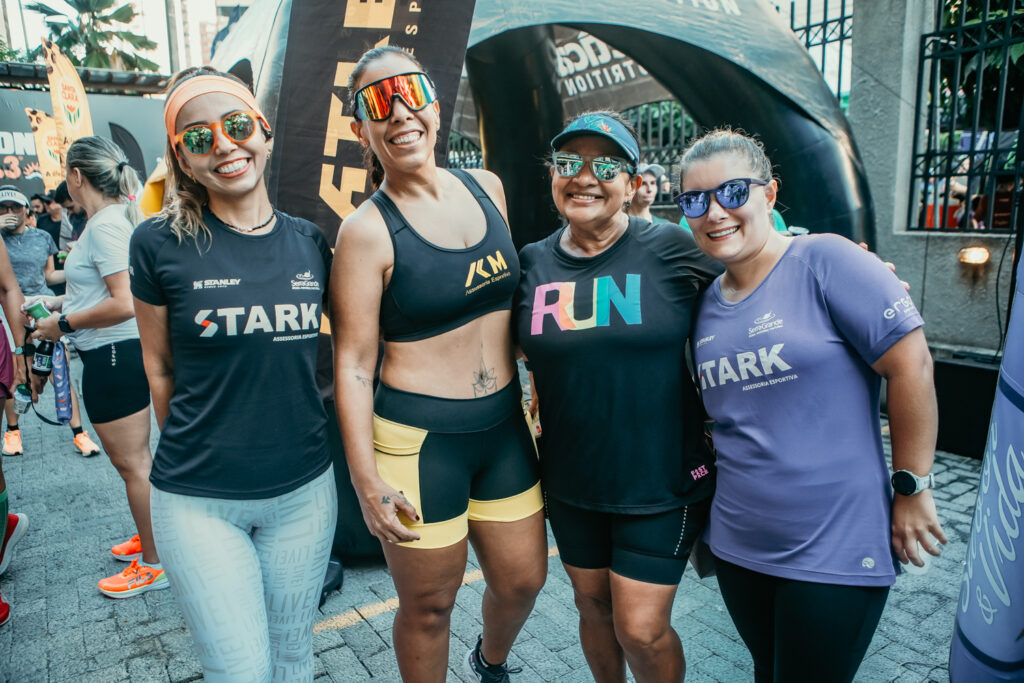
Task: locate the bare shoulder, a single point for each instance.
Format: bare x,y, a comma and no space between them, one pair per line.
364,234
488,180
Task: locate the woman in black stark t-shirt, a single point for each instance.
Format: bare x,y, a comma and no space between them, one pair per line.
229,295
442,449
602,312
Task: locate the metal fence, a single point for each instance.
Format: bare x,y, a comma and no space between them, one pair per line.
824,27
967,171
664,128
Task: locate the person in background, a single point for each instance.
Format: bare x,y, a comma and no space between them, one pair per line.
794,339
31,256
12,373
51,218
97,317
38,204
74,219
647,193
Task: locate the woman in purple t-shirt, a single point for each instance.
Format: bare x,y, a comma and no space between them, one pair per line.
791,344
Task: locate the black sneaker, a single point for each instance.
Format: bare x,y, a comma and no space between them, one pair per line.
476,671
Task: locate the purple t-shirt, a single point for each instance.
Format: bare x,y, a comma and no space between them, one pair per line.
803,487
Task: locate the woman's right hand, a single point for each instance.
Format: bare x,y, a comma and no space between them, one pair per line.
381,504
54,303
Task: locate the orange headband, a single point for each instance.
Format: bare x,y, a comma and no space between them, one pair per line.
201,85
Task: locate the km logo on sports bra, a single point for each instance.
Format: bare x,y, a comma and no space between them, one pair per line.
479,267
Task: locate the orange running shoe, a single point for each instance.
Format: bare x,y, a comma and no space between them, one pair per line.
85,445
129,550
12,443
136,578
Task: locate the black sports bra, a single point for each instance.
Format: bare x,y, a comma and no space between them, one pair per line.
433,289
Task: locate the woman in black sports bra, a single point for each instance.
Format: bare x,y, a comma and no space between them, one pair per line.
442,449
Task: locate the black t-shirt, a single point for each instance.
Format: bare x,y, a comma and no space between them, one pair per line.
44,222
606,338
246,420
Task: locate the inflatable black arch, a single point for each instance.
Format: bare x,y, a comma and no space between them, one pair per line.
734,63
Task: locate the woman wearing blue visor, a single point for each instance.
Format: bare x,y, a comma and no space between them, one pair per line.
603,311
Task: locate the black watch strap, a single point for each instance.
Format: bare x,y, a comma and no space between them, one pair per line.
64,325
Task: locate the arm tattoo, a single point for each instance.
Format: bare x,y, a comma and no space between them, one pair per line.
385,500
365,381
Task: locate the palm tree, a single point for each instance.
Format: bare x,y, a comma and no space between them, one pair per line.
92,38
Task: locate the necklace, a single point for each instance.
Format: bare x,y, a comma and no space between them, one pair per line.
247,230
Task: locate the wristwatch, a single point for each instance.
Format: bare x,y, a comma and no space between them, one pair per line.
906,483
20,350
64,325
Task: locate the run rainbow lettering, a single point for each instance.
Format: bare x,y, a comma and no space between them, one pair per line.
605,295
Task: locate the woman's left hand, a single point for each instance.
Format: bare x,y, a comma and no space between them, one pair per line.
47,328
914,520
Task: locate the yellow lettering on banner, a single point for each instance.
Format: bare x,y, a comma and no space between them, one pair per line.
340,198
337,127
343,73
414,7
411,29
369,14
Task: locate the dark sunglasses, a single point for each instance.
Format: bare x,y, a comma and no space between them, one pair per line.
732,194
237,126
10,208
373,101
604,169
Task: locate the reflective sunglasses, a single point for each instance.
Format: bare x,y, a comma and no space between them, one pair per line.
732,194
373,101
237,126
604,169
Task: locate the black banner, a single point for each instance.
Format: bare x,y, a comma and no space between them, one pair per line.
317,168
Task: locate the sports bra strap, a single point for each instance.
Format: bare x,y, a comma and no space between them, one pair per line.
471,184
392,217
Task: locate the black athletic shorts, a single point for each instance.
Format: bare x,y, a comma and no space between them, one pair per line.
457,459
650,548
114,381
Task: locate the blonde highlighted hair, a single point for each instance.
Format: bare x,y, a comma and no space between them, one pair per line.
106,167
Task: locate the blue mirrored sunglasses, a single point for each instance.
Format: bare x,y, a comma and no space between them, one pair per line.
732,194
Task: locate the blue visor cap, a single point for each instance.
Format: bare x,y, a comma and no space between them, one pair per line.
599,124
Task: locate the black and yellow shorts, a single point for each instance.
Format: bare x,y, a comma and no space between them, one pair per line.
457,459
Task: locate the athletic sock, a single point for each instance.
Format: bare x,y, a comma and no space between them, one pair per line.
12,428
76,430
491,668
3,514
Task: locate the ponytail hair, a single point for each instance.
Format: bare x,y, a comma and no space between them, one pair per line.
106,167
370,160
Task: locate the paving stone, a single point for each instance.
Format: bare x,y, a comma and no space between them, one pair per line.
147,669
65,630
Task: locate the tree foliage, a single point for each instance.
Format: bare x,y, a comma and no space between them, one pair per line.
97,36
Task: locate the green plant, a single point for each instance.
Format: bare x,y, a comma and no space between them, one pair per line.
96,36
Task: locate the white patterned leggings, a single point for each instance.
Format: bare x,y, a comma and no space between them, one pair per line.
247,575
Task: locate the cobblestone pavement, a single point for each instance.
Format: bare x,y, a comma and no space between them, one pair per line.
63,629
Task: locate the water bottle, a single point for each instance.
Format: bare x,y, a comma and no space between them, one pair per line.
22,399
61,384
42,361
988,638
